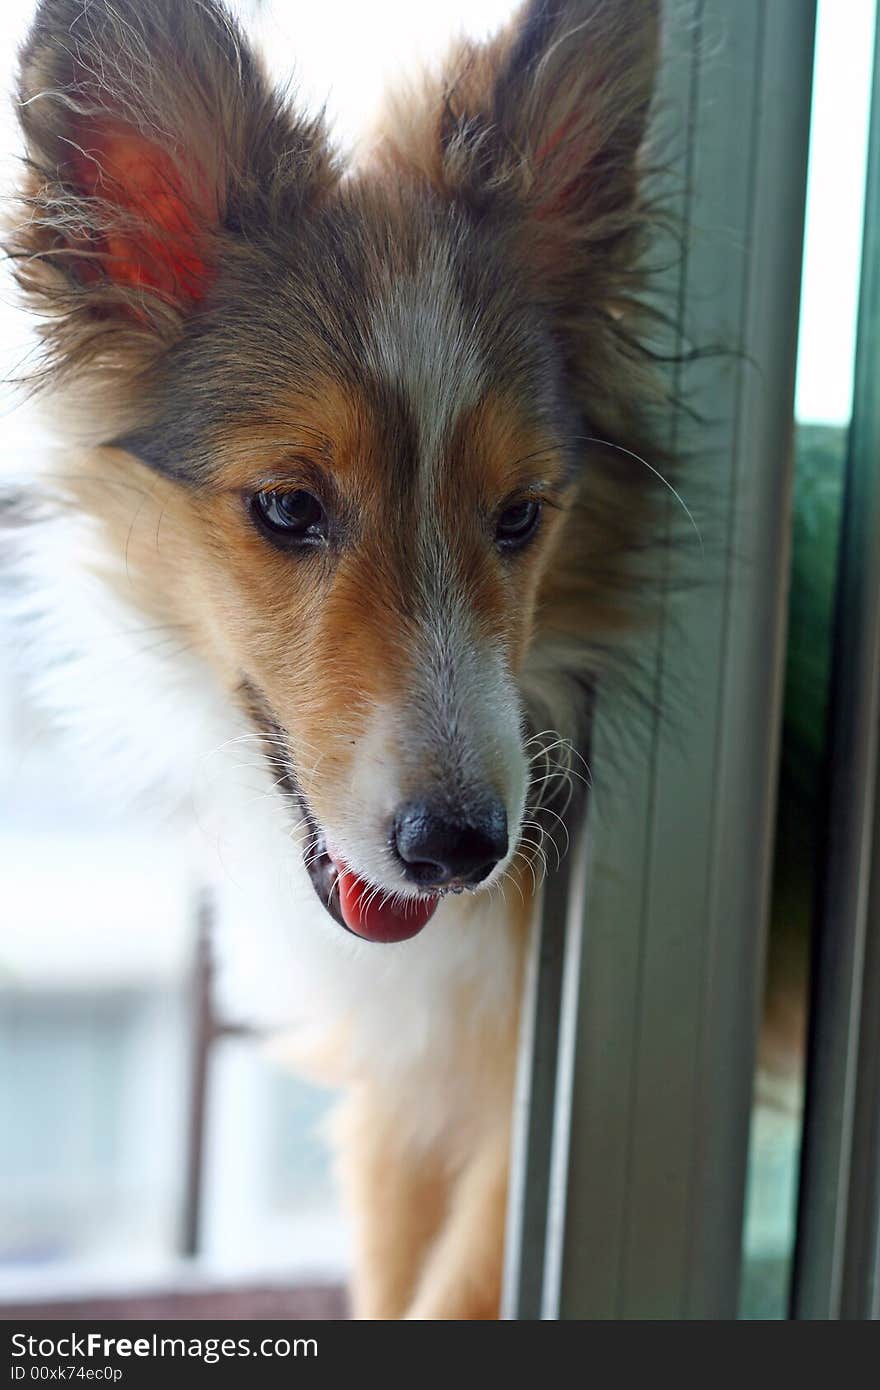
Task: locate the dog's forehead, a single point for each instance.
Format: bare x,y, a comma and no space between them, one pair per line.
401,319
419,299
434,332
422,345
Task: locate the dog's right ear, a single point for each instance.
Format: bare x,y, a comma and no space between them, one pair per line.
152,139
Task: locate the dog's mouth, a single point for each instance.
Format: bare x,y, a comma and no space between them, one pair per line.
356,903
361,907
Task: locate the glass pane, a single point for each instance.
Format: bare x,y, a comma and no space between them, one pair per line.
835,200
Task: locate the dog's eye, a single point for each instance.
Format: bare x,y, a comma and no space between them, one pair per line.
289,519
517,524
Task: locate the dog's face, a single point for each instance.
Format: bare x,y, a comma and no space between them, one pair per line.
377,509
364,400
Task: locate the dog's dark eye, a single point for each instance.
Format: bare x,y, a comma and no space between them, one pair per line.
517,524
289,519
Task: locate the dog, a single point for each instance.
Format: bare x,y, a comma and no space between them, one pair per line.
362,440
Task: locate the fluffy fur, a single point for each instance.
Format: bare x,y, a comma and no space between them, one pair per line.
453,323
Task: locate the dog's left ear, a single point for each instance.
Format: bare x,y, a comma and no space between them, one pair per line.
539,130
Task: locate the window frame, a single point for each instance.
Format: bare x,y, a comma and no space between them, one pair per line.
648,968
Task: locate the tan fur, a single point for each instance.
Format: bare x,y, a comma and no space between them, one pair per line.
400,1200
228,346
427,1240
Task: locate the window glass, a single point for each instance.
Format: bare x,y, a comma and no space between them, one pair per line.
832,256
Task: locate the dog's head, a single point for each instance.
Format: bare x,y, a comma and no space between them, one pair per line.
363,398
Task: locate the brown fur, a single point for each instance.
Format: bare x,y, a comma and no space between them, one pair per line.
221,342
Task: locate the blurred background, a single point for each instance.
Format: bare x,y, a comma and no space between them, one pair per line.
147,1144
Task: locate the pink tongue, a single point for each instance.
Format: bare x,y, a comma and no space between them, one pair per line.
369,914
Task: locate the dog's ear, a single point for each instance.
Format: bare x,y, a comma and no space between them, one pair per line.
152,137
541,128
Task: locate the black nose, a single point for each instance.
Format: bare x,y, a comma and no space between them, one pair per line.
437,846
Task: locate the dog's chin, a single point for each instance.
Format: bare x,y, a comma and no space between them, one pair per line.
355,903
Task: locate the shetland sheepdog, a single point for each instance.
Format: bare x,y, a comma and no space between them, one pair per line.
363,438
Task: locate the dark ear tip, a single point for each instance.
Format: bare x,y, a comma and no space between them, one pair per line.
619,25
